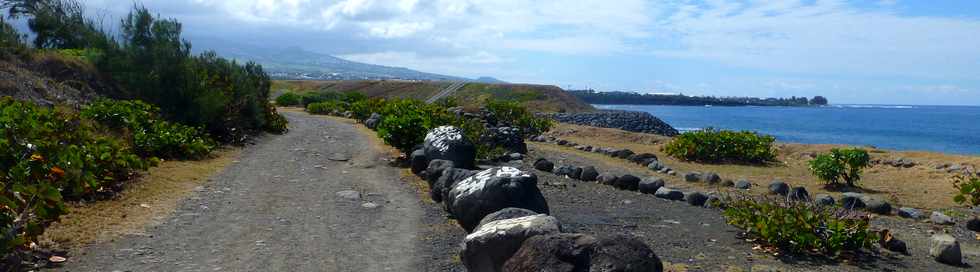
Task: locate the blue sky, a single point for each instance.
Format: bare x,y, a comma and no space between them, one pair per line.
882,52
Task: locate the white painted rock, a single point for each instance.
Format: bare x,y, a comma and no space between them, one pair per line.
945,249
492,190
448,143
487,248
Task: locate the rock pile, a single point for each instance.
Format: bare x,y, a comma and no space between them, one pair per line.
502,207
626,120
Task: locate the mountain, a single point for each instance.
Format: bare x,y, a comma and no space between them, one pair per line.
490,80
297,63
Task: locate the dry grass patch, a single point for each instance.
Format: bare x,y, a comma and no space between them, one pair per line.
145,202
921,186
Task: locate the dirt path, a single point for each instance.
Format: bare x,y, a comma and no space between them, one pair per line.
277,209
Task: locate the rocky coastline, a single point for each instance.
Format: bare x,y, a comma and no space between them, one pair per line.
633,121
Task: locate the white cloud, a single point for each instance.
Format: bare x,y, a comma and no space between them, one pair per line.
824,37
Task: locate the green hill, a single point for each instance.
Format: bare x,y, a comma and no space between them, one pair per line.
539,98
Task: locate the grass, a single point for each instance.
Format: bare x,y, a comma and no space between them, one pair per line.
921,186
145,202
539,98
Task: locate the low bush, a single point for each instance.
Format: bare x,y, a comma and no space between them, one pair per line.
840,165
289,99
364,108
511,113
326,107
800,227
405,123
151,136
48,155
722,146
967,190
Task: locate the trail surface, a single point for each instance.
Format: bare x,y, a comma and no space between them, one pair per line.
277,209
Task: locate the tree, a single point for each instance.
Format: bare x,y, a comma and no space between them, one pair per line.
840,164
818,100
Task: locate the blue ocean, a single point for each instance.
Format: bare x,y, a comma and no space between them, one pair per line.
947,129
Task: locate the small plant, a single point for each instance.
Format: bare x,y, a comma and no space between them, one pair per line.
721,146
289,99
840,165
967,190
325,107
511,113
151,136
800,227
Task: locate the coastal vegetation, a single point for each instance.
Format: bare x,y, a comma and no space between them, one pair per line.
799,226
403,123
159,101
840,165
632,98
722,146
967,190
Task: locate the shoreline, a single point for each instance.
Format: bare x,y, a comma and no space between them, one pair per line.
866,131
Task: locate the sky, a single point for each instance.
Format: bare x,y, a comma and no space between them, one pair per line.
854,52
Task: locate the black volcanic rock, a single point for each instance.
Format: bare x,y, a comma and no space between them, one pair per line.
626,120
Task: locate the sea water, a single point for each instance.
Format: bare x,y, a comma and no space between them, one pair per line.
947,129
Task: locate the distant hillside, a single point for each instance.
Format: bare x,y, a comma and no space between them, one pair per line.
297,63
539,98
629,98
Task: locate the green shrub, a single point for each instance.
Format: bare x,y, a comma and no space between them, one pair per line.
151,135
800,226
967,190
405,123
47,155
364,108
276,122
317,97
840,165
511,113
722,146
288,99
325,107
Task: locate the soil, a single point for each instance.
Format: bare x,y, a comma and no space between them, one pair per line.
276,209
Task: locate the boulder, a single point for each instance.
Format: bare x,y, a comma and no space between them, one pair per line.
576,173
650,185
798,194
778,187
626,120
434,170
973,224
508,138
608,179
487,248
589,174
543,164
492,190
887,241
669,193
711,178
823,199
506,213
714,201
539,138
743,184
562,142
515,156
372,121
945,249
560,252
445,182
448,143
418,161
692,177
655,166
852,201
564,171
728,183
622,153
641,158
696,198
624,254
911,213
941,219
878,206
628,182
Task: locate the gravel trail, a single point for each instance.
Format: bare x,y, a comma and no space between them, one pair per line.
277,209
